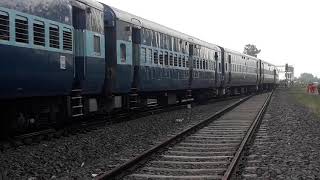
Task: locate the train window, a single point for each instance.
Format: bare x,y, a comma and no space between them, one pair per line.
161,57
96,44
166,58
171,59
226,67
123,52
4,26
219,67
22,33
67,40
180,61
175,60
203,64
184,61
38,33
198,64
143,55
155,57
187,62
207,67
194,63
54,36
149,56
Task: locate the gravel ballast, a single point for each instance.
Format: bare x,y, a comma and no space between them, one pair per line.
83,156
288,143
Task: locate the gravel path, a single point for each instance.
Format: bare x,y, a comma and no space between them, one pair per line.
83,155
288,142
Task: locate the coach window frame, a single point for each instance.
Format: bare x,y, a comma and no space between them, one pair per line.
6,26
26,39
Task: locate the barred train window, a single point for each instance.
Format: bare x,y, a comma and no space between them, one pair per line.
67,39
96,44
22,35
143,55
123,51
175,60
38,33
166,58
4,26
161,57
171,59
149,55
155,57
183,61
54,36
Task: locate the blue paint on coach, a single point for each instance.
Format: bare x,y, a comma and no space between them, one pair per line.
162,79
28,72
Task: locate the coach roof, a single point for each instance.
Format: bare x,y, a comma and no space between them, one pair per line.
141,22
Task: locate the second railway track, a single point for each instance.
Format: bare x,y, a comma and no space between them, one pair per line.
208,150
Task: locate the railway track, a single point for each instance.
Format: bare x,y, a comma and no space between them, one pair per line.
208,150
85,126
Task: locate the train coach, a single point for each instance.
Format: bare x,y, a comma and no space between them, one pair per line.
64,59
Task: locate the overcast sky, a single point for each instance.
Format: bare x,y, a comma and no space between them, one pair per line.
286,31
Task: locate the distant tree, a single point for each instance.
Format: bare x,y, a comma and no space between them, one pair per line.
307,78
251,50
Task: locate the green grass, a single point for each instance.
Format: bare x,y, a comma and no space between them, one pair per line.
311,101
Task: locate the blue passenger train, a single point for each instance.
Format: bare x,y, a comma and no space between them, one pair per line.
63,59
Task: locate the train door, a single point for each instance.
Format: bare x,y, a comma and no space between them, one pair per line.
79,24
216,70
136,41
257,72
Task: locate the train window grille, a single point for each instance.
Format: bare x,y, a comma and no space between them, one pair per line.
67,41
96,44
187,62
54,36
171,59
183,61
198,64
4,26
22,31
155,57
175,60
39,33
161,57
194,65
203,64
149,56
180,61
143,55
166,58
123,53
